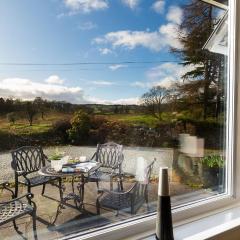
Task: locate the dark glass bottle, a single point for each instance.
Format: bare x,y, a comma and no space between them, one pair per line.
164,227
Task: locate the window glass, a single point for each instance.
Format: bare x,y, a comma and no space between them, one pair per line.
97,96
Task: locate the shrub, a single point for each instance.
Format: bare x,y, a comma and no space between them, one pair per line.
99,130
81,124
60,128
213,161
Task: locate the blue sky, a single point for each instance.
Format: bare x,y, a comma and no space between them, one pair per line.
69,31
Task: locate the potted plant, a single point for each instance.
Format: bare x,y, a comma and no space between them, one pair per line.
56,160
213,172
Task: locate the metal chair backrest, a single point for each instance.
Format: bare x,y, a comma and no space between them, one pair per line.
27,159
110,155
141,188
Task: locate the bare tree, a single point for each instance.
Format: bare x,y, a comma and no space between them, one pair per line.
31,111
12,117
154,99
40,103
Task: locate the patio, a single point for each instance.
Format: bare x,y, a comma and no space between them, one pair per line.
71,220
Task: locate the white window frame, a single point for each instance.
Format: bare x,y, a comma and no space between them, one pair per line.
205,207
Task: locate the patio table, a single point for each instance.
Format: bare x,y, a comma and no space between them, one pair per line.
78,198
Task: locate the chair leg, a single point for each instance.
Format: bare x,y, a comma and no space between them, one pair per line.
97,182
16,188
34,225
16,229
98,207
29,188
73,179
43,188
60,189
15,225
111,184
121,184
146,199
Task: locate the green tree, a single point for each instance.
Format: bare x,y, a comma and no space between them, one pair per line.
203,84
81,124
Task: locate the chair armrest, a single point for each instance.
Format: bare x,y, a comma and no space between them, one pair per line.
46,158
27,179
29,196
21,172
5,185
93,156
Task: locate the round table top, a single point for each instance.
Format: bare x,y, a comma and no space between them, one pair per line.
50,172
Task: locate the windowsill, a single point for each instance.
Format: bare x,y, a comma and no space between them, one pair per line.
189,223
207,227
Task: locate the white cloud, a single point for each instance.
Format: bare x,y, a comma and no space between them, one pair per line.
126,101
155,41
27,89
170,33
175,14
87,26
166,82
117,66
103,83
105,51
123,101
54,79
86,6
139,84
158,6
131,3
133,39
167,74
99,40
165,36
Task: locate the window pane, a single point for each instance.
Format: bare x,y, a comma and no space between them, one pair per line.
103,94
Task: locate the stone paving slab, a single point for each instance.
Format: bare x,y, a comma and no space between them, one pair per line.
70,220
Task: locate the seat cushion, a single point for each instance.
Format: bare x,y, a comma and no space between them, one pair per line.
12,210
38,180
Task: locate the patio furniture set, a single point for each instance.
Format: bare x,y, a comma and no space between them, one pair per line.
107,166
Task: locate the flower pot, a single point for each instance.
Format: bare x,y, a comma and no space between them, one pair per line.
213,178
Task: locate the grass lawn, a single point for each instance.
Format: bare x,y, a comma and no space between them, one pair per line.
135,119
40,125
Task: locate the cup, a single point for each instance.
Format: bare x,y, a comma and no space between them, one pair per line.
65,159
82,158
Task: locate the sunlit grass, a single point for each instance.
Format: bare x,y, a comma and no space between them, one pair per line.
134,119
22,126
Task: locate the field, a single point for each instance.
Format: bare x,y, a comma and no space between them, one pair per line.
22,127
134,119
40,125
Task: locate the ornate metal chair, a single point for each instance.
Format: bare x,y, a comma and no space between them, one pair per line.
27,160
130,200
110,155
16,208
